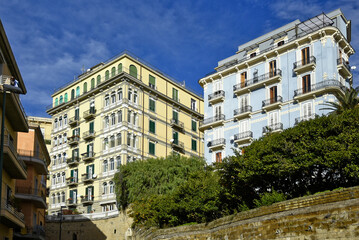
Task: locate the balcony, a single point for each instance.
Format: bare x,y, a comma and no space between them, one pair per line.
72,181
89,114
35,195
73,161
35,158
304,65
304,118
71,202
177,145
9,215
175,123
212,122
74,121
217,144
277,127
243,112
326,86
88,178
87,200
272,103
257,82
216,97
343,68
244,137
89,135
13,165
73,140
88,156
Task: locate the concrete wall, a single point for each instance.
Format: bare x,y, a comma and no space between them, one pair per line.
331,215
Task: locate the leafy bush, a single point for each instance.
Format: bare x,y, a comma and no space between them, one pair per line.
268,198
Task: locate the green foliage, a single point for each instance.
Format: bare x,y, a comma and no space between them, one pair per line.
314,156
169,192
268,198
345,102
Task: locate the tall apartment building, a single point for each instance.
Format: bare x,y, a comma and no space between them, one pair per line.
45,125
14,121
275,81
116,112
32,191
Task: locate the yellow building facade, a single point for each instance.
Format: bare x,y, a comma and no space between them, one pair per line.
116,112
15,121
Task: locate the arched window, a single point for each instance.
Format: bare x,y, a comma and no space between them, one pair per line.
105,166
107,100
85,87
119,116
113,119
72,94
129,94
63,197
65,137
113,97
111,187
119,93
65,119
78,91
112,164
61,99
64,156
119,68
104,186
53,199
112,141
98,80
66,97
106,122
58,178
55,123
55,141
118,161
133,71
92,83
63,176
53,179
113,72
105,144
107,75
135,96
58,198
56,102
119,139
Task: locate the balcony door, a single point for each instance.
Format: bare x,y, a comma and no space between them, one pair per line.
175,138
307,111
273,94
305,55
306,84
218,157
272,68
273,118
243,79
243,126
244,102
218,112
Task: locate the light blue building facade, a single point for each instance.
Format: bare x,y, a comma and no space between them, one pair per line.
275,81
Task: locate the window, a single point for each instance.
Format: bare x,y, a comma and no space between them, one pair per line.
305,56
106,122
306,84
85,87
112,188
92,83
129,94
243,79
219,157
134,140
55,141
194,125
175,137
119,68
104,187
112,164
113,97
175,94
65,119
152,82
107,100
92,107
113,119
91,127
72,94
113,72
90,152
272,68
105,166
55,123
119,93
218,111
65,97
118,161
98,81
105,144
244,102
60,122
56,102
194,145
54,179
252,54
77,91
135,96
107,75
119,116
61,99
152,106
77,114
134,118
112,141
273,118
152,126
151,148
193,104
63,177
53,199
129,139
119,139
133,71
73,196
280,43
307,111
63,197
175,116
129,116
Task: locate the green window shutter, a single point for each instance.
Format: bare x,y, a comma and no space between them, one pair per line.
175,137
152,126
92,83
152,105
119,68
87,169
174,94
87,191
152,81
93,168
85,87
175,115
88,148
194,145
107,75
194,125
71,194
98,79
91,127
151,147
74,132
72,173
113,72
133,71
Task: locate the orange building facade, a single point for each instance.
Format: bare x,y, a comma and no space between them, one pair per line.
31,192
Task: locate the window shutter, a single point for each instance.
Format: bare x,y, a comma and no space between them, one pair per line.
194,125
152,80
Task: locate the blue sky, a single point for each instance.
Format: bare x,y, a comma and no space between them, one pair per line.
53,40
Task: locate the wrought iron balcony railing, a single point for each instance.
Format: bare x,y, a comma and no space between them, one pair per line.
216,142
272,101
243,135
216,94
241,110
305,118
273,127
261,78
216,118
318,86
304,61
176,122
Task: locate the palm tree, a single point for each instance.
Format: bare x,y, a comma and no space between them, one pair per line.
347,101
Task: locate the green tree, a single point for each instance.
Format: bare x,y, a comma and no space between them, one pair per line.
347,101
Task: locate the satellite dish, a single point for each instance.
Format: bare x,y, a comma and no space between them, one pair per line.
172,140
94,175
